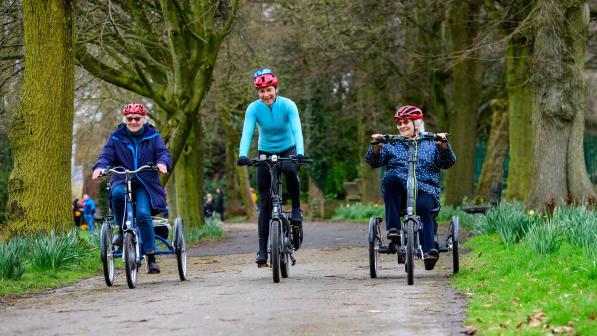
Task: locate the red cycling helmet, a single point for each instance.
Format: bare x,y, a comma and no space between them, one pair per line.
408,112
264,78
134,108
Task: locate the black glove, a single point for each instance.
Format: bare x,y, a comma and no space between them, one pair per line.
300,158
242,161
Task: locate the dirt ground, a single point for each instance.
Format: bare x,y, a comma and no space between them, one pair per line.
329,292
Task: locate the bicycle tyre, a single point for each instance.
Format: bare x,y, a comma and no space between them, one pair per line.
275,239
180,248
129,254
373,254
107,253
410,252
455,252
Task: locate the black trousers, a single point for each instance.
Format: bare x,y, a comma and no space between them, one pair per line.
290,172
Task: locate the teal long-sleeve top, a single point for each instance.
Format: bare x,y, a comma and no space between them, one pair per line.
279,127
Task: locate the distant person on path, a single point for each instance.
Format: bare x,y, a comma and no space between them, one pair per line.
208,206
432,157
280,133
77,212
219,203
89,212
133,144
254,198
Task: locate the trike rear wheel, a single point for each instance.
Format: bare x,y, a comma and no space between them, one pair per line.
107,253
454,226
180,248
373,242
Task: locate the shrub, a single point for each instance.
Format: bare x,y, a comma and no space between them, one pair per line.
580,227
54,252
466,220
12,259
211,229
359,211
508,220
544,237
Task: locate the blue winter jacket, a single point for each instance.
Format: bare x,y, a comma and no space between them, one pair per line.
430,160
120,151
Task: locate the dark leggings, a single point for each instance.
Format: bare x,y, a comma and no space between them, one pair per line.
395,199
290,171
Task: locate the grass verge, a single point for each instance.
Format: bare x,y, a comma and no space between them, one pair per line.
514,290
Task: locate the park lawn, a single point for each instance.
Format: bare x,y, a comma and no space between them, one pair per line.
515,291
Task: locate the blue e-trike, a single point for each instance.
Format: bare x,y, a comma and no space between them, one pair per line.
131,251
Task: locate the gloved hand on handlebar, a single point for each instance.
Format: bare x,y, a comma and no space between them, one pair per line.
242,161
300,158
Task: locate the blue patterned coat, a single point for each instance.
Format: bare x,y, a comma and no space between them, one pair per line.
431,159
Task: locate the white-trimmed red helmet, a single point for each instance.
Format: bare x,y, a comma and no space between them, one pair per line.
408,112
264,78
134,108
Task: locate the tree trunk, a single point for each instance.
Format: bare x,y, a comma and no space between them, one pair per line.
41,133
243,181
520,100
189,182
463,22
493,165
370,186
559,171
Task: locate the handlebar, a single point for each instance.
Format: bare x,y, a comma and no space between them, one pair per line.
398,138
275,159
124,171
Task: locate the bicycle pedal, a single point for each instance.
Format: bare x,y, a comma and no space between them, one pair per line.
293,260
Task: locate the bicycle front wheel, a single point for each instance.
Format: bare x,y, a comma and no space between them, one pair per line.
275,239
129,254
410,253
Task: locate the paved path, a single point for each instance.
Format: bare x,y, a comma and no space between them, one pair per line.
329,292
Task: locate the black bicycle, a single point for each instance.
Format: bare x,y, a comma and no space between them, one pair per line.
408,246
284,236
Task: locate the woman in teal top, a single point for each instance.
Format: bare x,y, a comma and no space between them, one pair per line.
280,133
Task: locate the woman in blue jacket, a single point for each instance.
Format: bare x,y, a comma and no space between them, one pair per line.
432,156
280,133
133,144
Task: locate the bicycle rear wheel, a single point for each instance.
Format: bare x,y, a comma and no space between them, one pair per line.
410,252
180,248
107,253
129,254
275,239
284,260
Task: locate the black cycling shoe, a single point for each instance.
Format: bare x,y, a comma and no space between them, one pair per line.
393,234
297,216
261,260
152,266
430,259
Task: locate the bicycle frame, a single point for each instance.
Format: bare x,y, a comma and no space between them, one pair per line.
411,219
129,222
278,213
